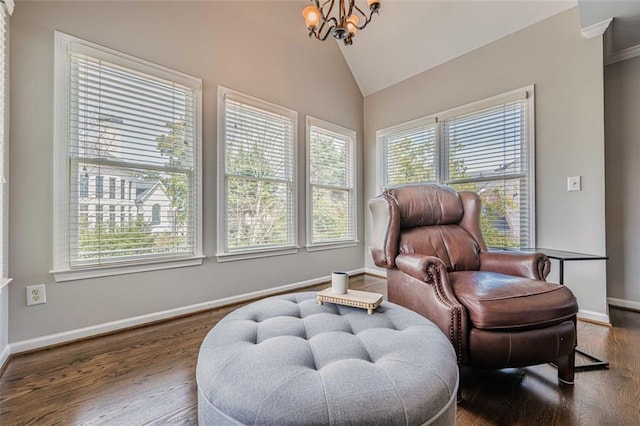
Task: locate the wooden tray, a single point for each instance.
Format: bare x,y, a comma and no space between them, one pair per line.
358,299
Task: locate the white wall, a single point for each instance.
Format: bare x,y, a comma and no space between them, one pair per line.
567,72
622,128
258,48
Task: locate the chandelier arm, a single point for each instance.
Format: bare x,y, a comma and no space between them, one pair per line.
367,19
330,28
321,9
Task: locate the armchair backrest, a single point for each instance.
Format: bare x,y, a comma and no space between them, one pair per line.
428,219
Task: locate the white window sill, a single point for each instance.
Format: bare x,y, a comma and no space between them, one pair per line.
4,282
106,271
256,254
332,245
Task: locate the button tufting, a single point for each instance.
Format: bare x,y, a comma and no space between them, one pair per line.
318,360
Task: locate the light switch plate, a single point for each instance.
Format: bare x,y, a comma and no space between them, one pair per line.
574,183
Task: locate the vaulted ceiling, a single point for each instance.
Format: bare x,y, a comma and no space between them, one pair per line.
410,37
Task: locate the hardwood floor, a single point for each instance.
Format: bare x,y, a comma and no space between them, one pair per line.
147,376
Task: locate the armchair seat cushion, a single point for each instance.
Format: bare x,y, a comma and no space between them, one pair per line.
506,302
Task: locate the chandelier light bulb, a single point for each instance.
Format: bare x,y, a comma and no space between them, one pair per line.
352,24
311,16
374,5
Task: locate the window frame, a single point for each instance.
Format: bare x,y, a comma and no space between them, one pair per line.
5,14
63,197
352,190
442,166
223,253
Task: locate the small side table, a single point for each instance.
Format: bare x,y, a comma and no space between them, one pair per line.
569,256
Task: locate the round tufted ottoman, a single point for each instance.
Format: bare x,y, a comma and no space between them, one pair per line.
286,360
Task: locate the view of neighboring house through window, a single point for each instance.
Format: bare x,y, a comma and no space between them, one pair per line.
485,147
132,124
258,172
331,183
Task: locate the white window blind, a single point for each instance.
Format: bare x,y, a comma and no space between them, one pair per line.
259,175
135,125
485,147
487,152
331,192
6,8
409,154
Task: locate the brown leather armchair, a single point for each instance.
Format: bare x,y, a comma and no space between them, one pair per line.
496,307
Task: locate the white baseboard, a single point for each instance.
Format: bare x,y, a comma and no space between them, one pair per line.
376,272
622,303
4,356
593,316
94,330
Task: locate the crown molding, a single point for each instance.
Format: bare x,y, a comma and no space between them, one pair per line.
596,29
623,55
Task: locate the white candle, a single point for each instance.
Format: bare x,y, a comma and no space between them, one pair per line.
339,282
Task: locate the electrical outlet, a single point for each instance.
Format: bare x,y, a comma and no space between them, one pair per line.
36,294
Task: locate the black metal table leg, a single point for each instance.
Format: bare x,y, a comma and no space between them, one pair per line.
597,363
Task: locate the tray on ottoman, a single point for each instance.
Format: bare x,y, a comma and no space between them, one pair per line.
355,298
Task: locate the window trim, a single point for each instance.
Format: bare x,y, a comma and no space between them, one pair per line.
526,92
63,44
7,10
353,190
223,254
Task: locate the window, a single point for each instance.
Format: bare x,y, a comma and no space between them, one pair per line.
155,214
132,121
112,187
410,153
99,186
257,205
331,190
485,147
84,184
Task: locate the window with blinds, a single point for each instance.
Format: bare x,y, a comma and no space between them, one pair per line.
485,147
409,153
258,160
132,144
6,8
331,191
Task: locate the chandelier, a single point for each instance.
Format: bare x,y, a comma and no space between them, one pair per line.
342,25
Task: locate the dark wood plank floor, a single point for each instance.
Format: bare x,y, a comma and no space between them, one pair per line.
147,376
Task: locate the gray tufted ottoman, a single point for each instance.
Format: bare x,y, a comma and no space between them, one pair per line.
286,360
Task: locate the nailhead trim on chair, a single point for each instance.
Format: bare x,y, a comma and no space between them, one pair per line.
456,316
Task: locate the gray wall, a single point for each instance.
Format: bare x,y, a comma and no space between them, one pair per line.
256,48
567,72
622,130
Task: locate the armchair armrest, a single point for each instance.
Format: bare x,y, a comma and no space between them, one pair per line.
418,266
421,283
535,266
